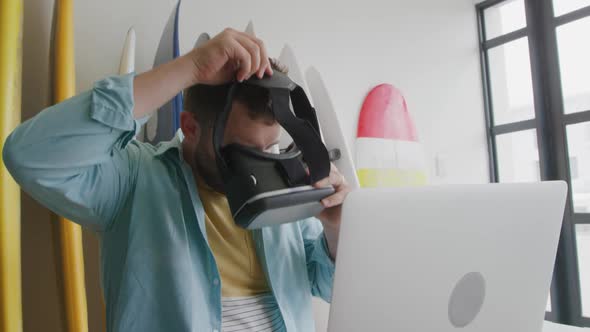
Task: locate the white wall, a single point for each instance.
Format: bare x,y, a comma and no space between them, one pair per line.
427,48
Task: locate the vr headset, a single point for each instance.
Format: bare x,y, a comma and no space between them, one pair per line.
267,189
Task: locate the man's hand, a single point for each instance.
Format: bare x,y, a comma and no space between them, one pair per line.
331,215
231,54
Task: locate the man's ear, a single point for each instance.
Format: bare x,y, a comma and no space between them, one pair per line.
191,129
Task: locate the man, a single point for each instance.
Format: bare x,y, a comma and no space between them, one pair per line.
172,259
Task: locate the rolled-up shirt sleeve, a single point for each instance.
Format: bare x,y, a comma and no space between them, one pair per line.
75,157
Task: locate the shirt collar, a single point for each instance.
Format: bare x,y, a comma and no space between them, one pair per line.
174,144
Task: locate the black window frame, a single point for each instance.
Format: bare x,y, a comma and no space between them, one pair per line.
550,123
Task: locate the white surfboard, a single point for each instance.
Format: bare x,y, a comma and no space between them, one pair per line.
127,64
331,128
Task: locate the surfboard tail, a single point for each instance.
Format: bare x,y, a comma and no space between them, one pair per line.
250,28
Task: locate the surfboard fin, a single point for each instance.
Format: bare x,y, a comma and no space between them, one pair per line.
203,38
250,28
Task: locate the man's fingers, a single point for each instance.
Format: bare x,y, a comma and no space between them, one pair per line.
253,49
242,59
322,183
265,66
335,199
338,197
335,178
248,54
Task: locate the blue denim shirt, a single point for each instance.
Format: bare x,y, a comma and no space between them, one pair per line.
79,159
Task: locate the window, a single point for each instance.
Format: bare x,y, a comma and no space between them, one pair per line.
510,82
583,241
578,145
574,168
574,52
505,17
561,7
536,79
517,161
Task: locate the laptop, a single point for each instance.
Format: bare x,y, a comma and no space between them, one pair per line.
469,258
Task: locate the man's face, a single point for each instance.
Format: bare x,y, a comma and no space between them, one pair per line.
261,133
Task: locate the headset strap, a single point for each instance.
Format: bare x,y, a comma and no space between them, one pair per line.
302,126
219,129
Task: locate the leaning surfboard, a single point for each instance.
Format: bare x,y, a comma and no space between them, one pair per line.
165,122
388,152
70,234
333,139
331,129
11,12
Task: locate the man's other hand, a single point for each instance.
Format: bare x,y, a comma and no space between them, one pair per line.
330,216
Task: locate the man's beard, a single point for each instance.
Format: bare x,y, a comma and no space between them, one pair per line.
206,167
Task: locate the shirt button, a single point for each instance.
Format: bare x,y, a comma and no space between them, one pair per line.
215,282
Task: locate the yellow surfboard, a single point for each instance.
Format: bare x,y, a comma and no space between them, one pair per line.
70,234
11,12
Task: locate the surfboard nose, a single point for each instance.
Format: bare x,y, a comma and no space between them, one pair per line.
384,114
388,151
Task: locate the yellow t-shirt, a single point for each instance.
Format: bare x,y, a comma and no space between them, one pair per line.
232,246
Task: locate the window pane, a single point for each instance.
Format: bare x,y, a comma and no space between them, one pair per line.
511,84
518,157
574,52
561,7
504,17
578,140
583,242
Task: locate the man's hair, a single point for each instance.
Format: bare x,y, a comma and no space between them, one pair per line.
206,101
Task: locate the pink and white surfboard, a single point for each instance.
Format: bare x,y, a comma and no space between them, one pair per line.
388,152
